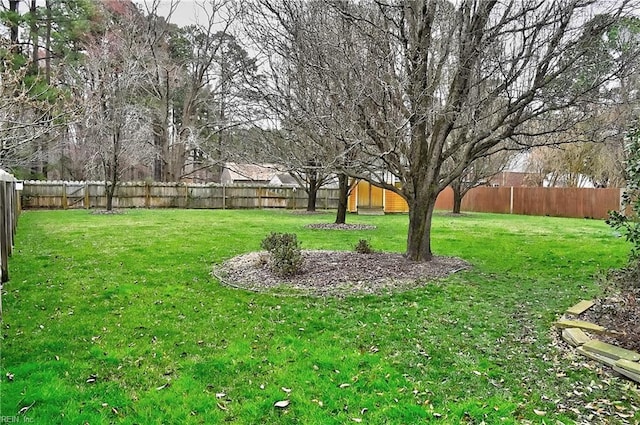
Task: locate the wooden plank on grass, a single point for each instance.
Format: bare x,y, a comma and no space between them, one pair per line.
629,365
627,373
588,326
581,307
602,359
611,351
575,336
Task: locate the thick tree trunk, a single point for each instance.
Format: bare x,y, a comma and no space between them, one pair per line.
14,30
159,142
47,45
343,198
312,192
419,235
33,28
457,196
109,189
112,171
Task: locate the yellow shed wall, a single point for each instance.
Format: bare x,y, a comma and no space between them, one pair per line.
394,203
352,205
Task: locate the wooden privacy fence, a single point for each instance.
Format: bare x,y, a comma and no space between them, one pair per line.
9,211
551,201
560,202
67,195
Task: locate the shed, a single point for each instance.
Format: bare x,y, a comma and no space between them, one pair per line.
366,198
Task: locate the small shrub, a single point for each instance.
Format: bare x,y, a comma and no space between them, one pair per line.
364,247
262,260
627,221
286,255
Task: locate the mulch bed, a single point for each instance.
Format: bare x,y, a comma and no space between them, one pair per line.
337,273
107,212
343,226
621,313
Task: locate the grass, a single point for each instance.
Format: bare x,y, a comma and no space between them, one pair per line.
116,319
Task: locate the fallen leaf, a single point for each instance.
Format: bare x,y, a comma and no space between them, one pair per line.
624,416
220,395
281,404
356,420
539,412
221,407
286,390
25,409
344,385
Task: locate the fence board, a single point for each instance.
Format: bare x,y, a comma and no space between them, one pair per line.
56,194
494,199
565,202
9,212
561,202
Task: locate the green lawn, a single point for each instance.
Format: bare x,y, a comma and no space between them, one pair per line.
116,319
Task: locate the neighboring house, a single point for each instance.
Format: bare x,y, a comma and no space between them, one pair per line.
256,175
515,174
283,179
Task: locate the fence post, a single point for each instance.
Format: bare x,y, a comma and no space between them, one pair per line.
4,255
147,195
65,204
511,201
86,195
2,266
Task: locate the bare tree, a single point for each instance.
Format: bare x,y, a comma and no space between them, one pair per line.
198,85
34,103
412,69
31,114
578,164
295,40
113,123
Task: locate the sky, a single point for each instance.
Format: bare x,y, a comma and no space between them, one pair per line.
185,13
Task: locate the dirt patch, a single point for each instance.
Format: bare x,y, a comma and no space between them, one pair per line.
337,273
305,212
343,226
